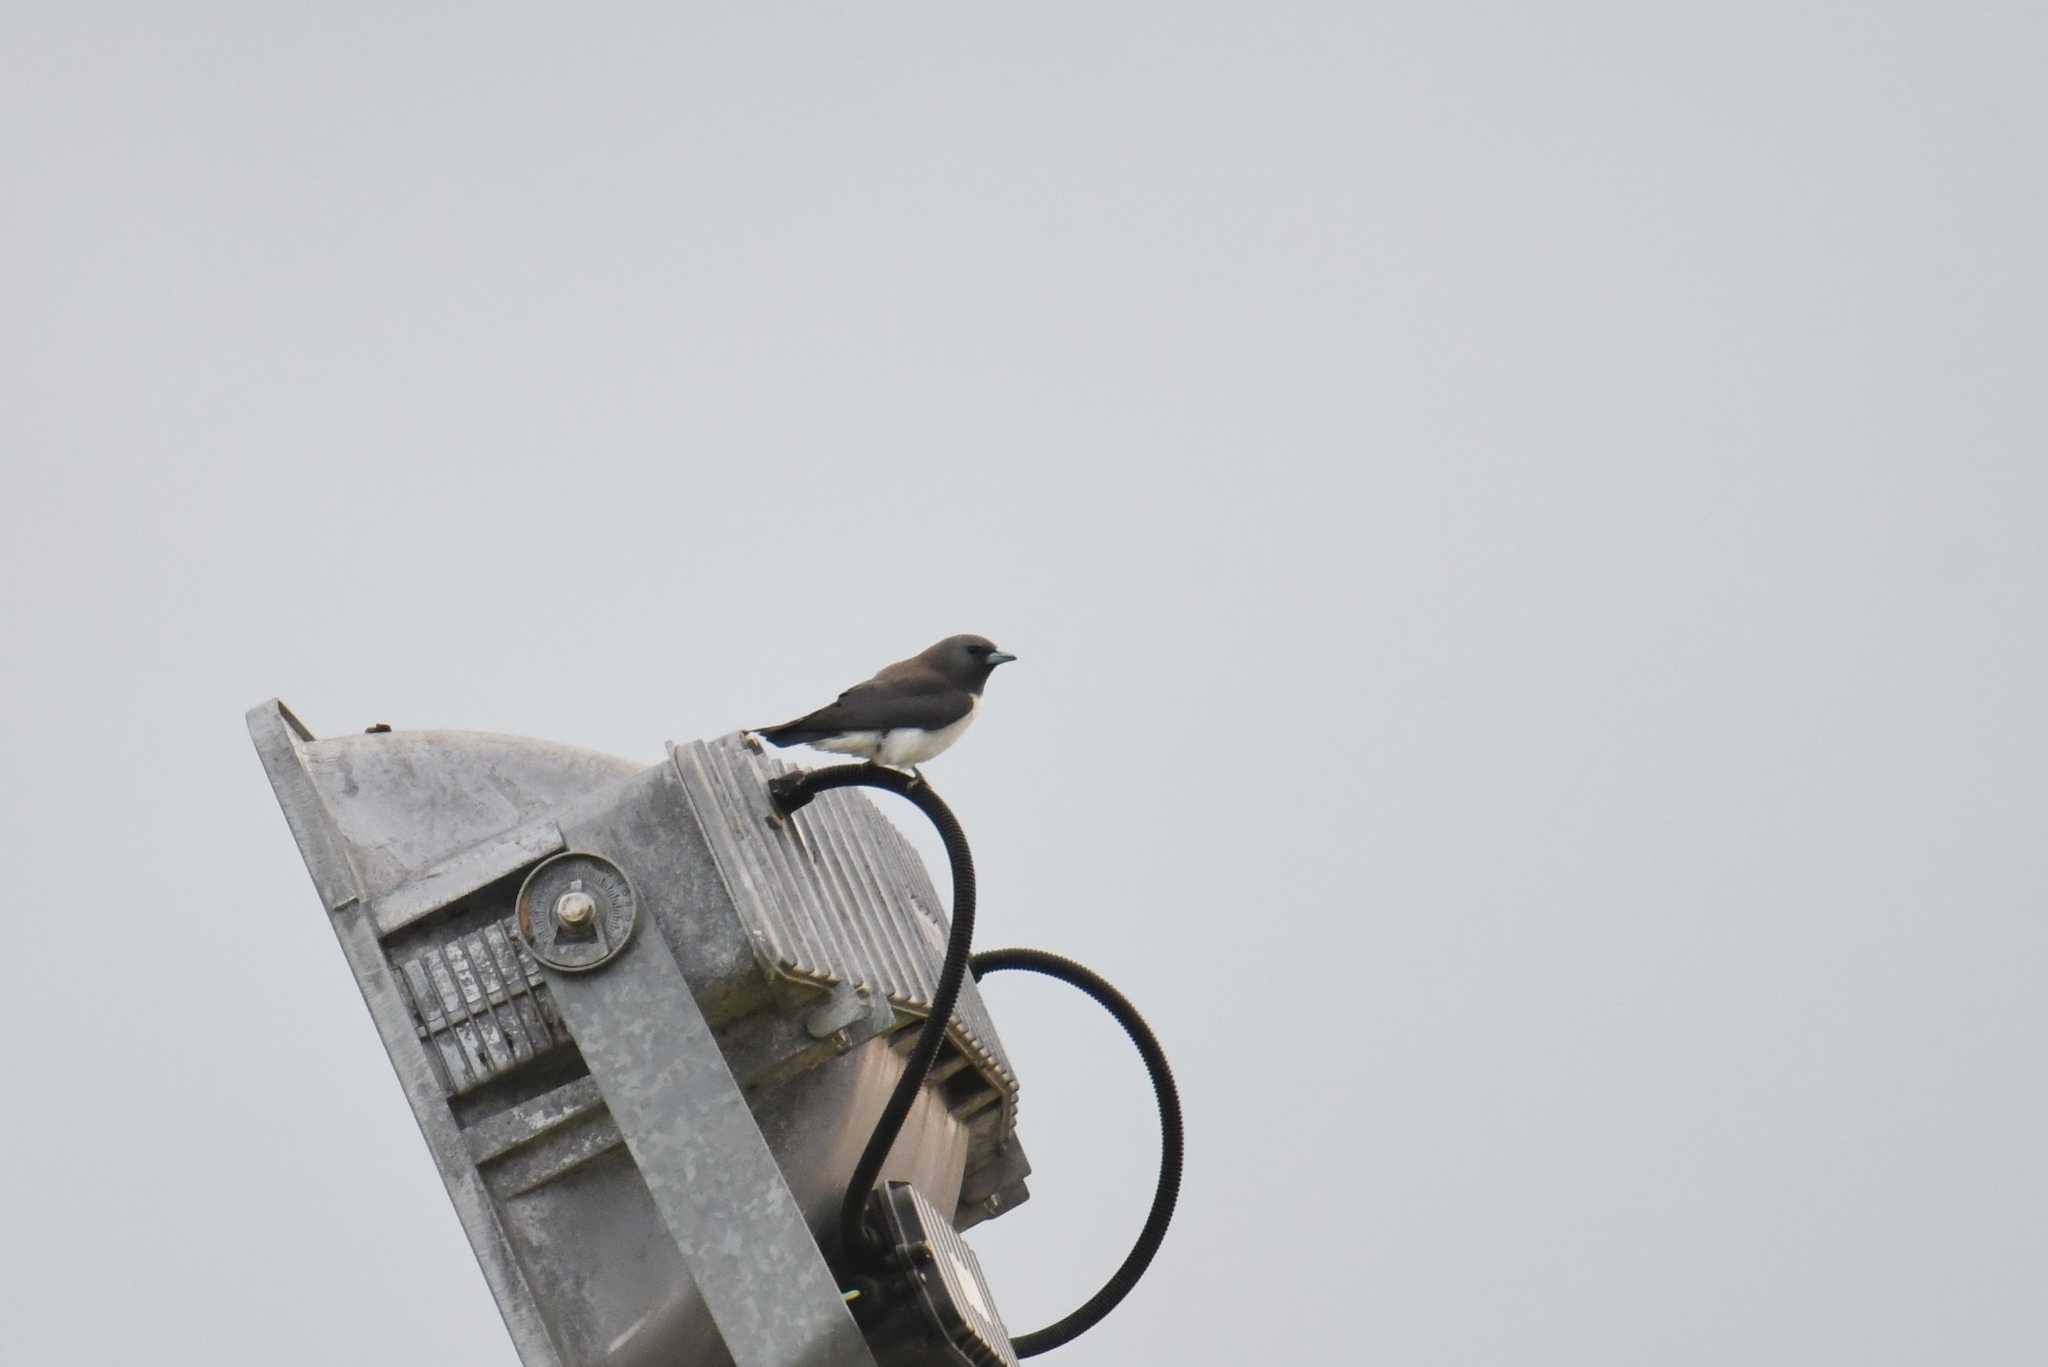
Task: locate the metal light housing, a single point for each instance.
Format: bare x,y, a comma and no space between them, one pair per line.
646,1025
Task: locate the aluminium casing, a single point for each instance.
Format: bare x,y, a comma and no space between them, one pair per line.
808,946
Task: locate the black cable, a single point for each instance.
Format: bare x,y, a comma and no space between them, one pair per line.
793,791
1170,1140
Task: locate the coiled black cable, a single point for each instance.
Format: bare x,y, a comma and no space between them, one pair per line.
1170,1139
793,791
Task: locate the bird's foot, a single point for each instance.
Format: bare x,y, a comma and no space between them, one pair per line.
916,778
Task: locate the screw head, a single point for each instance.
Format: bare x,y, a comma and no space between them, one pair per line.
575,908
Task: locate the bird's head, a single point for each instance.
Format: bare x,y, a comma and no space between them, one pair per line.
967,660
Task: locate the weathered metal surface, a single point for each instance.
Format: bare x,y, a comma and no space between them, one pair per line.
711,1175
958,1315
837,897
277,735
483,1006
500,1134
992,1187
418,842
576,911
463,873
405,802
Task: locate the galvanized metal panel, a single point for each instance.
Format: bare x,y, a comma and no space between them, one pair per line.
463,873
482,1004
278,736
415,841
834,894
741,1233
407,802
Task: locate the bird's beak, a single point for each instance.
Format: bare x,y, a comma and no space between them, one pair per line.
999,657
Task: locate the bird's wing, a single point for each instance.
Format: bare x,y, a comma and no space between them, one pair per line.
925,700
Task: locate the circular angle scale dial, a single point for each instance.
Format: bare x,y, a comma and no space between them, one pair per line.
576,911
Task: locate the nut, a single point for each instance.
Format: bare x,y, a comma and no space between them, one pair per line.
575,908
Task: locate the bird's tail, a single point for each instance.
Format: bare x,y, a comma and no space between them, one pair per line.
790,733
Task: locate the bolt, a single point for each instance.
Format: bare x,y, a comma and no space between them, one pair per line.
575,908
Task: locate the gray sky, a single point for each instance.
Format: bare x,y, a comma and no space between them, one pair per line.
1523,527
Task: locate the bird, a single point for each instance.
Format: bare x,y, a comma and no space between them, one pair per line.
909,713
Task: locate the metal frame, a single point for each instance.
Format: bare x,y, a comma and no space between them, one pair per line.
272,727
715,1183
718,1188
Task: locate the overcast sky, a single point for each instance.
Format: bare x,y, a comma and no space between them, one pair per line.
1522,523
